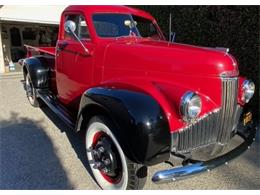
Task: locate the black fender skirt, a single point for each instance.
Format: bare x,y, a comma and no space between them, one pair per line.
38,70
141,125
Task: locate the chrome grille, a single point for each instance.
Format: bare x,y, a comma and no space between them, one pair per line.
228,110
204,132
215,127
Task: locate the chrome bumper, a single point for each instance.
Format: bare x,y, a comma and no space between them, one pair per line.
178,173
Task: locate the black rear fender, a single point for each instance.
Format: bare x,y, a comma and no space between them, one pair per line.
142,127
38,70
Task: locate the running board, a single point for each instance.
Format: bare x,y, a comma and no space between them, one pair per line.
57,108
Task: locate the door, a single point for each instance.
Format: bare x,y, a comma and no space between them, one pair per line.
74,65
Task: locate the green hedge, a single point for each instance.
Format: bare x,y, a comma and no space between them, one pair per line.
234,27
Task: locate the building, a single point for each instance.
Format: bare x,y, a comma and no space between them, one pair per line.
32,25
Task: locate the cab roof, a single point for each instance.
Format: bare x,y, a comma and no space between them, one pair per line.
92,9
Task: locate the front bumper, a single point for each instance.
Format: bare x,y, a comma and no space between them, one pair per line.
164,176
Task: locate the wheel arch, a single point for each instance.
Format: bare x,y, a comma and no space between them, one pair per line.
87,112
142,126
38,70
92,109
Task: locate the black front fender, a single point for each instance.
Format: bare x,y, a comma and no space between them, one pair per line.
143,130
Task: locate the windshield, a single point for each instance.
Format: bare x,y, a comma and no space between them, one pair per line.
118,25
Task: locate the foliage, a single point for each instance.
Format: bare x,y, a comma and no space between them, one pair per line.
234,27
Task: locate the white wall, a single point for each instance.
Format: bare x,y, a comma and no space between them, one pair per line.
44,14
26,15
2,64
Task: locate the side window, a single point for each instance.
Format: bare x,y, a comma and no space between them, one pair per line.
81,27
146,28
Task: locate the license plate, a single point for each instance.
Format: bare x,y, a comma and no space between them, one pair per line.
247,118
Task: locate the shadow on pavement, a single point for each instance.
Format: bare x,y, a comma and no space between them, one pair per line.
27,157
76,139
253,155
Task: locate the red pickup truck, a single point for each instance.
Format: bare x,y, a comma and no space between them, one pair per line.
141,100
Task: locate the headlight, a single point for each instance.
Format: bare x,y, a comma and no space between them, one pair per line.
190,106
248,90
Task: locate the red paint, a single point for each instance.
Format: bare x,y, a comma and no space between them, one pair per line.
48,50
110,179
96,137
162,69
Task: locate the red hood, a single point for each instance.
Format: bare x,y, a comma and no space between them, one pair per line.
160,56
166,71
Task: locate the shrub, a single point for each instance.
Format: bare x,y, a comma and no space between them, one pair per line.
234,27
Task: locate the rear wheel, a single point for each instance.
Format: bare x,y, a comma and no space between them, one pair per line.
30,92
110,166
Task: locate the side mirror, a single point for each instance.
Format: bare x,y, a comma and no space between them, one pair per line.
130,24
70,27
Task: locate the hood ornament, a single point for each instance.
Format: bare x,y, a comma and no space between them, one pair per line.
224,49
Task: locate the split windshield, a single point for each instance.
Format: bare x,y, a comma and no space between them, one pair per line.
119,25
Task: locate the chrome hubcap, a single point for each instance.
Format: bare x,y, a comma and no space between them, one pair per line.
105,155
116,177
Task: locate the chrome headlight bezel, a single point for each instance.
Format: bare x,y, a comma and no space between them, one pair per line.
248,90
190,106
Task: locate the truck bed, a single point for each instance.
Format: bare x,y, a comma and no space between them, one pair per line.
47,50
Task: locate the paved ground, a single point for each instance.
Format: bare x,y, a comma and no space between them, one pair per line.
37,151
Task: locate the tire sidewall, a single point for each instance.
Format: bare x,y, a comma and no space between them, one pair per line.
32,99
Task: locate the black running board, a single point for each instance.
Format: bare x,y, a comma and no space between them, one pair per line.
57,108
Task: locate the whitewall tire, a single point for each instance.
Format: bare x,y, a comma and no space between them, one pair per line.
124,176
30,92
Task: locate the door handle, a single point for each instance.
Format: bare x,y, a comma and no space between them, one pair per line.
61,46
58,49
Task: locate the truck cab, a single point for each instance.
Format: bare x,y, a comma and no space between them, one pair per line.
140,99
79,68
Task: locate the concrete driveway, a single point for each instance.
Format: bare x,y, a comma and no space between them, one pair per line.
37,151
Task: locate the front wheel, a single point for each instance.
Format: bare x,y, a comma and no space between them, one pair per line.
111,168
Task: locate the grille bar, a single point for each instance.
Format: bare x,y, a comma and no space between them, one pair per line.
215,127
227,113
199,134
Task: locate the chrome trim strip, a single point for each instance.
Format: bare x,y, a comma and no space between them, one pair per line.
174,141
224,49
